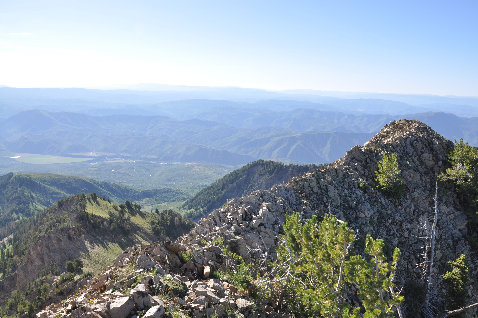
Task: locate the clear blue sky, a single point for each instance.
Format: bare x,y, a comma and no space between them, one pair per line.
374,46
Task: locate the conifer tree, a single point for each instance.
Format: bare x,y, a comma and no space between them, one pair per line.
388,175
316,269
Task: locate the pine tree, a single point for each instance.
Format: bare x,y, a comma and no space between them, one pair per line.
315,270
388,175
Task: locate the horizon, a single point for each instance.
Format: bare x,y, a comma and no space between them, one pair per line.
170,87
410,48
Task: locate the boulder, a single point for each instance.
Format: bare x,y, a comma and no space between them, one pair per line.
121,307
201,300
243,303
44,314
175,248
145,262
141,298
155,312
207,271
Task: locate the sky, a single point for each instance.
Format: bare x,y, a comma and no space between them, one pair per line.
412,47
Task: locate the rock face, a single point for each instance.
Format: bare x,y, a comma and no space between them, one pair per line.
250,226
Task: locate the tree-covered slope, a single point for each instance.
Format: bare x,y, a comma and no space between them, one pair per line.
260,174
24,194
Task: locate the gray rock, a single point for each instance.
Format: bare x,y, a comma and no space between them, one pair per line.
243,303
201,291
84,312
201,300
44,314
207,271
141,298
145,262
155,312
121,307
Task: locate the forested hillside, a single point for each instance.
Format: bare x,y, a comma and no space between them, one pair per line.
257,175
24,194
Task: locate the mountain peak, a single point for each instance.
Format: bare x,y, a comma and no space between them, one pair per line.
420,150
399,130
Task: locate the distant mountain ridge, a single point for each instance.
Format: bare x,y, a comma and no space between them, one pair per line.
145,96
233,138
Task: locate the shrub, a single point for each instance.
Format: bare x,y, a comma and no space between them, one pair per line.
456,281
169,224
66,277
388,176
464,168
75,266
176,287
464,173
186,256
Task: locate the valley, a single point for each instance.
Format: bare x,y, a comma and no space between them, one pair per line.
142,174
239,235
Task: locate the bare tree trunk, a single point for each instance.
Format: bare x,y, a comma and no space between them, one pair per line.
459,310
428,310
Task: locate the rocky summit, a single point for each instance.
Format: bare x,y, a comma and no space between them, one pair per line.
182,278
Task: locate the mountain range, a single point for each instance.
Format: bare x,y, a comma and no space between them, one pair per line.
150,136
303,136
153,99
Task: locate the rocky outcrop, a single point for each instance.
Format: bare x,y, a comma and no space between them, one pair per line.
127,289
346,188
257,175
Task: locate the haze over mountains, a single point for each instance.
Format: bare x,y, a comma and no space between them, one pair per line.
129,99
225,126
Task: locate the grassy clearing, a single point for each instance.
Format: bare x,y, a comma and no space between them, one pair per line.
100,257
47,159
141,239
100,209
103,208
142,221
